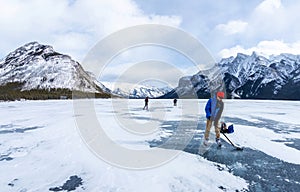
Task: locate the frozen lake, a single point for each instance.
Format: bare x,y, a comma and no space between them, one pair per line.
59,145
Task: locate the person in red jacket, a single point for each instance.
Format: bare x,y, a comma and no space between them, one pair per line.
213,109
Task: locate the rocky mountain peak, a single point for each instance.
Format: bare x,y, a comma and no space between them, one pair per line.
38,66
28,51
249,77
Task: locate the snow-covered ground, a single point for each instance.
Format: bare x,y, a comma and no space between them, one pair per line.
266,122
43,147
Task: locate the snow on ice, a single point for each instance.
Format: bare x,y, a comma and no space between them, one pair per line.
42,149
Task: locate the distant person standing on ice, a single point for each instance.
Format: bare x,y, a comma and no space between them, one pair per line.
175,102
213,109
146,103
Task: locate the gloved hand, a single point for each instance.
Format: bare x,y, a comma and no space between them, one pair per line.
223,128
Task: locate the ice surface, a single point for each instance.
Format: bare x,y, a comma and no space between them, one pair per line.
48,156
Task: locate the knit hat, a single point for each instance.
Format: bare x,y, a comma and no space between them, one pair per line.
220,94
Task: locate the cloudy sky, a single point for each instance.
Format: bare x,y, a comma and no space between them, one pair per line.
224,27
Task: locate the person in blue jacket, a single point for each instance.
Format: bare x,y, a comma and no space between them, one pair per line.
213,109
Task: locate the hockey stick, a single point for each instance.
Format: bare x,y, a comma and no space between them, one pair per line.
236,147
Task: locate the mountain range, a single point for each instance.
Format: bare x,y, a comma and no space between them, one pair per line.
246,77
36,71
136,91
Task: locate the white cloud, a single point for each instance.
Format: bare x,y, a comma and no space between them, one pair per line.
271,29
71,27
267,48
269,6
270,19
74,26
147,62
225,53
232,27
134,73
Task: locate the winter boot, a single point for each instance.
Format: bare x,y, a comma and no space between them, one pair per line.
205,142
218,141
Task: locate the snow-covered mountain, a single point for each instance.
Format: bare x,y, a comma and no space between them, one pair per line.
137,91
37,66
246,76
